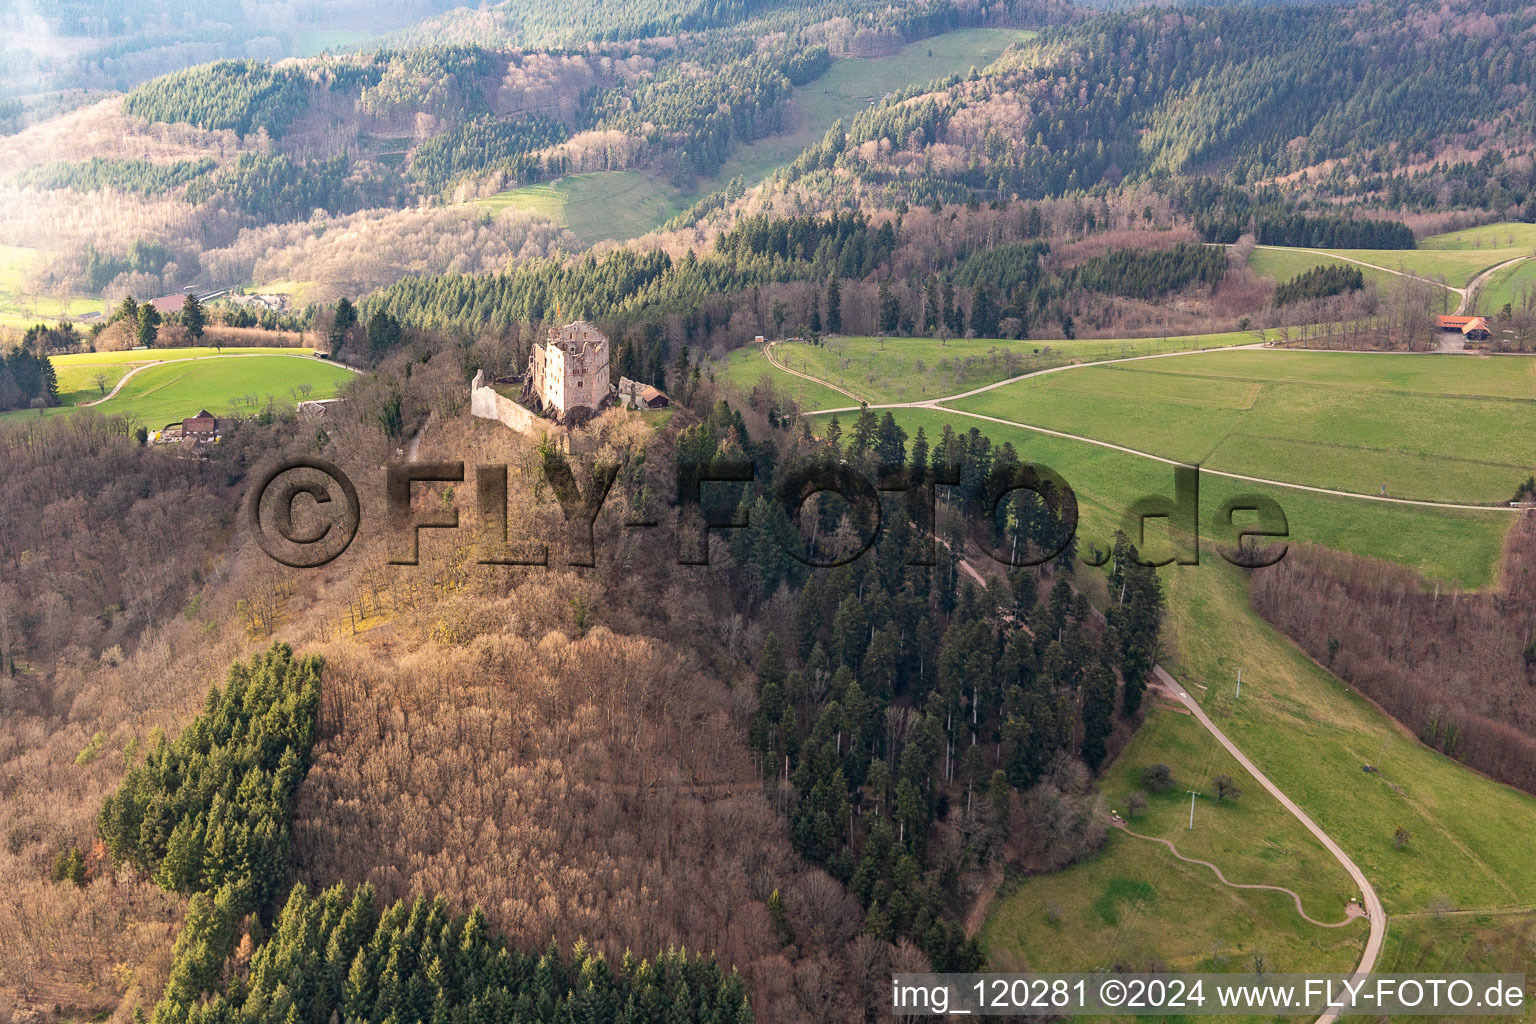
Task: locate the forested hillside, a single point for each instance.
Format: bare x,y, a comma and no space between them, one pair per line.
1250,92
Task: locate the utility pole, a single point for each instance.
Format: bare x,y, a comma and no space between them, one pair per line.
1191,809
1239,681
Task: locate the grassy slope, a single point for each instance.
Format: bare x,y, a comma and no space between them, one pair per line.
77,372
1326,419
163,394
1509,285
1139,906
1456,266
624,204
596,206
1300,724
744,367
849,85
1506,234
911,369
1281,265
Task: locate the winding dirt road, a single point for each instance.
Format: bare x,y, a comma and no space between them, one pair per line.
1373,907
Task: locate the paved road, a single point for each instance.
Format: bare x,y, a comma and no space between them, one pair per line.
1373,908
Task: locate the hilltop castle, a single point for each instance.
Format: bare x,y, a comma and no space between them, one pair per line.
568,374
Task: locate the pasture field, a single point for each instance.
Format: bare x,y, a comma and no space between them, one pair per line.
891,370
1504,235
77,372
743,367
598,205
229,385
1319,418
1452,940
1136,904
1300,724
1456,266
1511,285
1281,265
852,83
626,204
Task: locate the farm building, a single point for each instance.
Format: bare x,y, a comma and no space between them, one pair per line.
635,395
1473,328
167,304
204,427
568,374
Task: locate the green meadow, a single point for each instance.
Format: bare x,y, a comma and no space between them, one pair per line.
889,370
598,205
852,84
1136,906
231,385
1455,267
1512,285
1504,235
1319,418
78,372
744,367
21,308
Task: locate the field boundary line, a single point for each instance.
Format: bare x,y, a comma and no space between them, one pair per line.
1423,502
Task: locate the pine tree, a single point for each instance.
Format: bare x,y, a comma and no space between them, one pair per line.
127,310
344,319
834,306
149,325
889,308
1097,715
193,318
